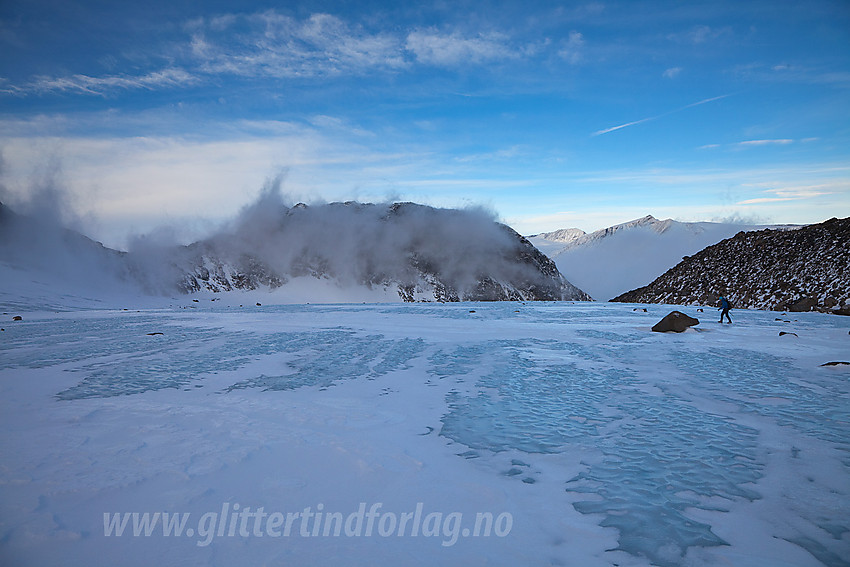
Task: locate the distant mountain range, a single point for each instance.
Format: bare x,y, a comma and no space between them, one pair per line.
403,250
797,270
613,260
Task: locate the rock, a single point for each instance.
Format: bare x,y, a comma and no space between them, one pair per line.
152,334
675,321
843,310
17,318
196,301
805,304
259,305
836,363
781,333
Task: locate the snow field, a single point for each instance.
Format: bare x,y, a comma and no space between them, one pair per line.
605,443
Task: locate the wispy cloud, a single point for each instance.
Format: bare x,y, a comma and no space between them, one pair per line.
572,50
745,144
275,45
166,78
270,44
434,48
672,72
642,120
775,142
699,34
797,192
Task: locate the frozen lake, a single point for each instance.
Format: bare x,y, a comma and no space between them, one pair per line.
458,434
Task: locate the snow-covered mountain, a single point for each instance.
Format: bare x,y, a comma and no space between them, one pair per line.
419,252
613,260
801,270
332,252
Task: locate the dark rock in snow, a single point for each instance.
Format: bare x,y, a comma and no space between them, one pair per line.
836,363
17,318
675,321
782,333
805,304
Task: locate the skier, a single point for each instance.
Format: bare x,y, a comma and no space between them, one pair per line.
725,306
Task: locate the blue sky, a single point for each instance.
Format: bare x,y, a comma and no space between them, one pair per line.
553,115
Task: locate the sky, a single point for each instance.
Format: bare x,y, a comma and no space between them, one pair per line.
159,116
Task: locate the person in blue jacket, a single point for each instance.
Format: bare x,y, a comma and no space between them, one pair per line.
725,306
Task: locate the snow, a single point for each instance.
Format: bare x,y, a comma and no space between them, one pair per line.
614,260
602,442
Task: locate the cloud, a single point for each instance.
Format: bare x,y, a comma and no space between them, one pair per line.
672,72
760,143
572,50
700,34
165,78
751,143
432,47
796,193
764,200
270,44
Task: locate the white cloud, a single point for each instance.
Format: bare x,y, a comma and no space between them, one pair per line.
276,45
166,78
672,72
572,50
777,142
700,34
799,192
431,47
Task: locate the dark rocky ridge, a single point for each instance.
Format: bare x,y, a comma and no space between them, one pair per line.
803,269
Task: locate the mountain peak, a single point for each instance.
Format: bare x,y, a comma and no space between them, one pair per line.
766,269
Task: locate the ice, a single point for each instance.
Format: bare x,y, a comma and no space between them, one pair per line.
609,444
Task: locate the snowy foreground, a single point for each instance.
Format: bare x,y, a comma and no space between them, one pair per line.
416,434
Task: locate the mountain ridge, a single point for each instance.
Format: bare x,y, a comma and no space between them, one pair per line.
404,250
801,270
613,260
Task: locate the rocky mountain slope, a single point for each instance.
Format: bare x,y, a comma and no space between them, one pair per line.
419,252
803,269
613,260
404,251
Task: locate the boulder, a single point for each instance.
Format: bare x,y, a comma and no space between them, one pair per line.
805,304
675,321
